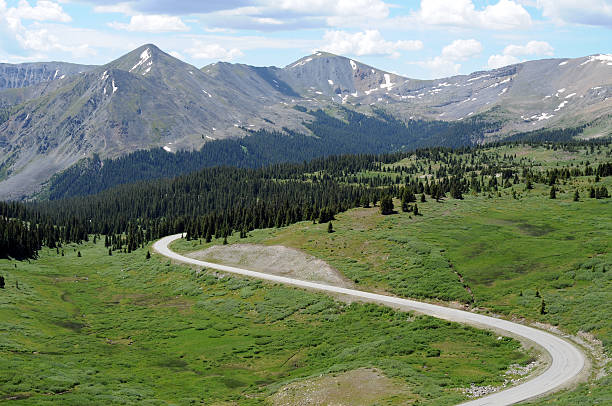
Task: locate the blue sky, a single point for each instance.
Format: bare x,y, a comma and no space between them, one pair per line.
419,39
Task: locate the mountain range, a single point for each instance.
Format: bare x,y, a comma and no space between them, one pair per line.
53,114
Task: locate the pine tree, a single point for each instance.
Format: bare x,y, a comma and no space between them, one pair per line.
543,307
330,227
110,252
553,192
1,282
79,254
576,196
386,205
423,198
148,256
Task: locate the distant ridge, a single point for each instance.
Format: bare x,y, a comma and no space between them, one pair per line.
53,114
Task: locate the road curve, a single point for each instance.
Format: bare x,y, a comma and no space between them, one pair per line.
567,360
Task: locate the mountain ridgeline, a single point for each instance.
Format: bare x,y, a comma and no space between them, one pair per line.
52,114
352,133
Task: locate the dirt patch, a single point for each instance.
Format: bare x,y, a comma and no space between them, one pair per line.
276,259
357,387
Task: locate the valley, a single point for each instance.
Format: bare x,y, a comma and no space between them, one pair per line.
487,238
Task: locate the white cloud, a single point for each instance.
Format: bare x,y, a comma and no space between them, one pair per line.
458,50
269,15
531,48
504,15
119,8
512,52
152,23
36,36
213,51
586,12
462,49
368,42
498,61
43,11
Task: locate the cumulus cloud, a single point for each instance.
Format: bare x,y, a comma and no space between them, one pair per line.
368,42
531,48
274,15
213,51
586,12
36,36
504,15
512,52
446,63
462,49
498,61
152,23
43,11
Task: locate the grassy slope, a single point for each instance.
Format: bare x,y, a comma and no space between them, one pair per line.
120,329
504,248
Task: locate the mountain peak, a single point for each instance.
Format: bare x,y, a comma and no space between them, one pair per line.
142,60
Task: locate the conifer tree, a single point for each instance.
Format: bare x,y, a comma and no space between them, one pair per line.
386,205
330,227
576,196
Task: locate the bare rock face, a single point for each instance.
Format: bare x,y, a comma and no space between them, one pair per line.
53,114
30,74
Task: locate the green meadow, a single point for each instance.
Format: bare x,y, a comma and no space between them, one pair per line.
120,329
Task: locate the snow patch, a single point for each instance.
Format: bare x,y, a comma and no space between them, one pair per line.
331,82
115,88
62,77
353,64
55,75
561,105
569,96
563,63
604,58
355,94
144,57
206,93
503,91
104,76
561,90
479,77
543,116
167,148
387,85
210,138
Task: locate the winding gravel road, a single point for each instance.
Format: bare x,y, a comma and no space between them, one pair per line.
567,360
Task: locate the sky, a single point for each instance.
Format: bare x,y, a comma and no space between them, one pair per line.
419,39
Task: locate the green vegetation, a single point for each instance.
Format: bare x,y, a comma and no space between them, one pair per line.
122,329
509,250
487,236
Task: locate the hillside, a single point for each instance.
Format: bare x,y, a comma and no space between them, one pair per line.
148,99
473,227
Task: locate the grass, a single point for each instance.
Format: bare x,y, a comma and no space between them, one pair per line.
506,254
120,329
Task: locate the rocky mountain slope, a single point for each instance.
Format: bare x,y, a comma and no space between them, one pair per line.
53,114
29,74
